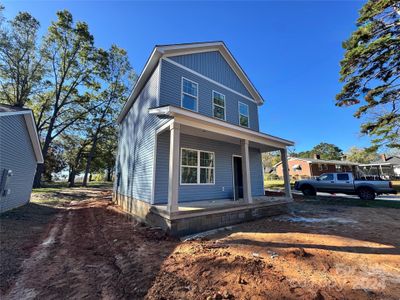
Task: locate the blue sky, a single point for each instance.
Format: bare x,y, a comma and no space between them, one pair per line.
290,49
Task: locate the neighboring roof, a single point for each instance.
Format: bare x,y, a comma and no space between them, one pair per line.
323,161
392,160
160,51
7,110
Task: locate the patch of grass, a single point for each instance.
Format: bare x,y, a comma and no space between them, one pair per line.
54,187
396,185
276,184
328,200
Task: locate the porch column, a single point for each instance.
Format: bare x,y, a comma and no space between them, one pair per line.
244,145
285,170
173,180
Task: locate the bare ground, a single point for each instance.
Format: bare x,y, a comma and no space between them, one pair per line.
86,248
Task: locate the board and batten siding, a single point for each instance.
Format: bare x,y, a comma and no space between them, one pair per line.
134,163
170,94
222,189
213,65
17,155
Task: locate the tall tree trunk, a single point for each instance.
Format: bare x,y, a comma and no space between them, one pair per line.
72,178
109,174
45,150
89,160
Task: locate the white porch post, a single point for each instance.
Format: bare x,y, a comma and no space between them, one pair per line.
285,169
244,145
173,180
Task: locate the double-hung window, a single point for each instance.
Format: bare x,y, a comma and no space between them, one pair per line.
243,114
189,94
218,105
197,167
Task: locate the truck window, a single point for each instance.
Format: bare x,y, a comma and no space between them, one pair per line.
326,177
343,177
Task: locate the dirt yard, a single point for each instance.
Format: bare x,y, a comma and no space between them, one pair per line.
77,244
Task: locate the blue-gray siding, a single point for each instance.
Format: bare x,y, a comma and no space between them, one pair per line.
170,93
16,154
222,188
134,165
213,65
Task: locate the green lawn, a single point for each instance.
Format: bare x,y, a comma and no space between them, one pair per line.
396,185
53,187
275,184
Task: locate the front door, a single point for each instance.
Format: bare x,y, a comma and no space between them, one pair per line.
237,178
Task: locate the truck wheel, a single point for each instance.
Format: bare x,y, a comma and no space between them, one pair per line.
366,194
308,191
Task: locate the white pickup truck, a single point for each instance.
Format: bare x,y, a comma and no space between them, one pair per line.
345,183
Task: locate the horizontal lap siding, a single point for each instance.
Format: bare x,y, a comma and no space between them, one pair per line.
213,65
16,153
223,170
136,144
256,173
170,94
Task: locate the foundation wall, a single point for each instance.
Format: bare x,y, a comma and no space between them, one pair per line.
193,224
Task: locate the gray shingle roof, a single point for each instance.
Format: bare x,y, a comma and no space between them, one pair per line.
9,108
324,161
395,160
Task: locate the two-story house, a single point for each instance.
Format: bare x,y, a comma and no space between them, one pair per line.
189,152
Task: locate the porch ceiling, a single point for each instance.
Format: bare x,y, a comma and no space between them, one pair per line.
199,125
189,130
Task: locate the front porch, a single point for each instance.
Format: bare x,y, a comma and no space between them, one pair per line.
236,154
235,187
198,216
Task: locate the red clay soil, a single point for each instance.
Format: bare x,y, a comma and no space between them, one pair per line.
92,250
321,252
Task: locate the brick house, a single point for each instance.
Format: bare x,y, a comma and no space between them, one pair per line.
311,167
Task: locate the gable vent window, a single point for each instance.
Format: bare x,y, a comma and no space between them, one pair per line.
189,94
218,105
243,114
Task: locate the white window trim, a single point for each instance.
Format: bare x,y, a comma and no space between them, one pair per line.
213,103
198,167
248,114
183,93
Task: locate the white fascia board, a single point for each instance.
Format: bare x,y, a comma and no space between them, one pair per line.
30,124
375,165
164,49
223,127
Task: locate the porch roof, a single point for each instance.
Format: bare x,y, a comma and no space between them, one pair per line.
219,127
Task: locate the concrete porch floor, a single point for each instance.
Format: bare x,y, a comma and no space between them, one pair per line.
207,207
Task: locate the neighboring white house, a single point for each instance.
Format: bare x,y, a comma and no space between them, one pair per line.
20,152
387,166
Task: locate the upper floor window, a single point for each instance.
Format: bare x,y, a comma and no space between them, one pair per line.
189,94
243,114
218,105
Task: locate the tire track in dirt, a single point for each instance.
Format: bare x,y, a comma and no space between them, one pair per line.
93,251
20,290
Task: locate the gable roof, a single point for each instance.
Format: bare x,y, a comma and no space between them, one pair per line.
8,110
391,160
161,51
322,161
